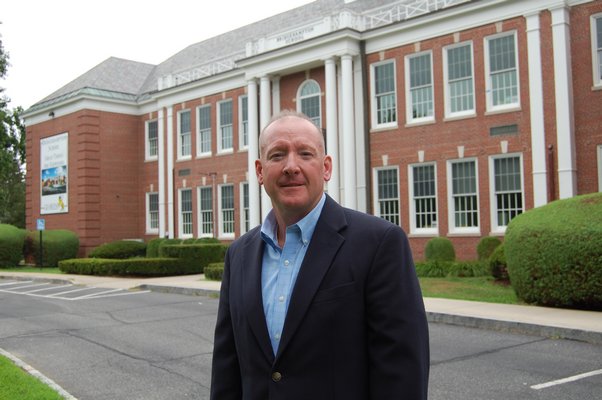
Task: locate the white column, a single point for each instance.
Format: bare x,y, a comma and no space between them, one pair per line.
253,154
538,139
161,170
350,195
332,135
565,125
170,164
275,95
265,113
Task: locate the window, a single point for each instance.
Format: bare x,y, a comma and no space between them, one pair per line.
152,140
244,122
420,94
464,203
184,143
205,211
507,201
152,212
185,213
226,203
502,72
203,141
387,194
309,101
459,94
384,104
224,140
245,218
423,198
596,29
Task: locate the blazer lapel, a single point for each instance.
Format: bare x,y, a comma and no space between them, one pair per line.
324,245
252,293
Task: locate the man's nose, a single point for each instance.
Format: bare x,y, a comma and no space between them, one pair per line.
291,166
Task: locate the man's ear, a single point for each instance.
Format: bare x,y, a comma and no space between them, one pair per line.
259,171
327,168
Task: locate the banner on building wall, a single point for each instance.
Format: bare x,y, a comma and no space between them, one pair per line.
54,153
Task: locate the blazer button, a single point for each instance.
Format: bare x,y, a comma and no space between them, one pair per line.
276,376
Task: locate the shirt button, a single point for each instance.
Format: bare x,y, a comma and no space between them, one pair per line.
281,299
276,376
286,263
305,242
277,336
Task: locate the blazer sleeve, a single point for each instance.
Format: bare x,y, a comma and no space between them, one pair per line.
226,381
398,341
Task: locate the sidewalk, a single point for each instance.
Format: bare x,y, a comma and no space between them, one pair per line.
541,321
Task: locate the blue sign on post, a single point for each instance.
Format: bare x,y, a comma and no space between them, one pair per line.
40,224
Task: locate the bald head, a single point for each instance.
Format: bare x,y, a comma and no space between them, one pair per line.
289,114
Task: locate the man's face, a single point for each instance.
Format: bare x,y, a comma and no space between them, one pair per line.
293,167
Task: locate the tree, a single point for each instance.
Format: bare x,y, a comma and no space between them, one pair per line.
12,156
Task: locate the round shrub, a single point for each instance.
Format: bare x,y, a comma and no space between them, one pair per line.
58,244
554,253
119,249
439,249
486,247
497,264
11,245
152,248
214,271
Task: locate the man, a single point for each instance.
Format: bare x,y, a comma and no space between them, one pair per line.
320,302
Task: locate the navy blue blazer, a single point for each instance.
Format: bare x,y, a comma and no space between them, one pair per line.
355,328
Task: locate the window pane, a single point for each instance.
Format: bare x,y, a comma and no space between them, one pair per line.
424,196
420,70
464,194
153,129
186,211
421,89
245,120
459,65
206,210
384,82
185,143
225,117
205,118
501,53
227,203
153,210
384,78
388,200
185,121
508,189
460,78
310,88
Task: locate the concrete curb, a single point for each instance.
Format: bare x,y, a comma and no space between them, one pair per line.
37,374
179,290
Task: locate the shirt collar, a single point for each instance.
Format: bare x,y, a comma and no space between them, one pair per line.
306,225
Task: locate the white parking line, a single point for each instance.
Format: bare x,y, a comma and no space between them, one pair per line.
14,283
26,286
69,291
48,288
566,380
96,294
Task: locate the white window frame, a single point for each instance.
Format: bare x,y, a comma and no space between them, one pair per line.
147,147
150,230
244,211
447,89
181,233
409,104
599,150
220,127
199,142
596,51
434,230
182,156
300,99
488,81
220,211
376,196
450,199
495,227
200,227
243,124
373,95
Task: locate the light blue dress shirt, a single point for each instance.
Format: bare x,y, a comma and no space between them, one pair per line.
280,267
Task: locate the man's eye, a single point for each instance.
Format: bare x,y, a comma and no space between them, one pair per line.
275,156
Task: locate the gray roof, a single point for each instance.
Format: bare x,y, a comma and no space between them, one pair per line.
135,79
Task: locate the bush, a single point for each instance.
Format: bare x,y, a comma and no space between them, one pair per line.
486,247
199,255
152,248
214,271
58,244
127,267
11,245
442,269
554,253
119,249
497,264
439,249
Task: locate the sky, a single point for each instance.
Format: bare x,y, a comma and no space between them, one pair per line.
50,43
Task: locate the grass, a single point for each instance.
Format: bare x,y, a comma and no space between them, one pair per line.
22,385
45,270
482,288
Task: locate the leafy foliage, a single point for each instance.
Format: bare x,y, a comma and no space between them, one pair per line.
486,247
439,249
119,249
11,245
57,244
498,265
128,267
214,271
199,255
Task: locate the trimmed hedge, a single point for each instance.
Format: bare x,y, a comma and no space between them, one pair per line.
214,271
127,267
439,249
486,247
119,249
152,248
58,244
497,264
554,253
11,245
199,255
442,269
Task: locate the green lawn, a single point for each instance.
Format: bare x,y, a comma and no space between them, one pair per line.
484,289
45,270
22,385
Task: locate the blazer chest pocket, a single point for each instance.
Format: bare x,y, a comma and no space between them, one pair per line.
335,293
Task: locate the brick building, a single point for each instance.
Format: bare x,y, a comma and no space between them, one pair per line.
447,117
